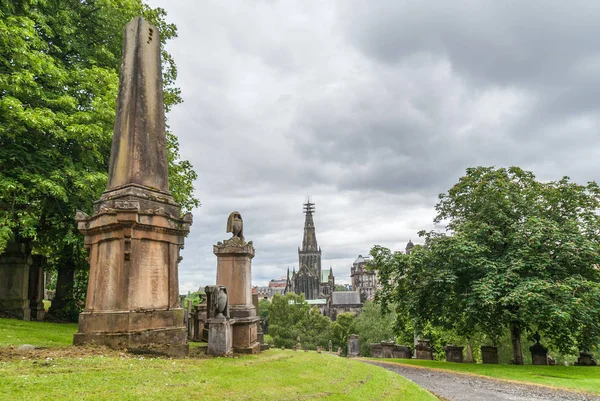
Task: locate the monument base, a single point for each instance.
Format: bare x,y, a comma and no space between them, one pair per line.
156,331
219,337
245,335
15,263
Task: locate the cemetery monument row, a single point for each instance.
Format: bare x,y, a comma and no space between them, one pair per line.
136,232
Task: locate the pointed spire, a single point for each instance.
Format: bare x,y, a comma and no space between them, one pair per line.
309,242
330,271
139,154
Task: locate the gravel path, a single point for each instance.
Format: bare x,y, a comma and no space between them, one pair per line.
460,387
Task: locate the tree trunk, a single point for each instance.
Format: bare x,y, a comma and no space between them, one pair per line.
62,304
515,336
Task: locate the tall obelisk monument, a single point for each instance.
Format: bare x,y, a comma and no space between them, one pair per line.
136,231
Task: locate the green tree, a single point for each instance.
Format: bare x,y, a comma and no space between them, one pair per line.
341,328
59,68
519,254
291,318
373,326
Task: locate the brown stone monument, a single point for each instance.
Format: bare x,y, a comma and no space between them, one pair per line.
136,232
15,263
234,258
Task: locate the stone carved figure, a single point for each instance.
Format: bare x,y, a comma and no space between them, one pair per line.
235,225
217,301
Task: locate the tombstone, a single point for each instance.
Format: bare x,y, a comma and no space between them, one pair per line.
219,328
389,349
339,351
15,263
424,350
234,258
330,347
489,354
539,353
454,353
136,232
469,353
199,322
353,345
586,359
36,287
259,333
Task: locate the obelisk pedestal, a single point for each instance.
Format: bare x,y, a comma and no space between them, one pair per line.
136,231
234,258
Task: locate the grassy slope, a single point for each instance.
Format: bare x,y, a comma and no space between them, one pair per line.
72,373
579,378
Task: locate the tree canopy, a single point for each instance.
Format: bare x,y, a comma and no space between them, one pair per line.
59,74
518,253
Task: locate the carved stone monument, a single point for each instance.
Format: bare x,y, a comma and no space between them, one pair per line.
539,353
489,354
136,232
219,325
389,349
454,353
353,345
15,263
423,349
234,258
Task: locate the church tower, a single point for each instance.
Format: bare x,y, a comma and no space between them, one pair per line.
308,278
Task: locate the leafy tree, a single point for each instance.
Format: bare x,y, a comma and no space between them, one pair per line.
340,287
59,68
291,318
341,328
519,254
373,326
264,305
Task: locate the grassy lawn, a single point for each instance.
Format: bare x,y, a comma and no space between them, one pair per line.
18,332
77,373
578,378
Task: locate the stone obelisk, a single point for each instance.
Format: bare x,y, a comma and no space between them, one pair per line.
136,231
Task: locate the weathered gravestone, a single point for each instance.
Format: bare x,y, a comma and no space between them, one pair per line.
454,353
489,354
15,263
389,349
136,232
219,325
539,353
353,345
586,359
423,349
234,271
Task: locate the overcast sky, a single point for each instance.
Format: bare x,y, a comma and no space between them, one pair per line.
373,109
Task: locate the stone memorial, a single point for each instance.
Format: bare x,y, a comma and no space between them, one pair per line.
353,345
199,322
330,346
219,325
234,271
469,353
489,354
423,349
454,353
15,263
539,353
586,359
136,232
389,349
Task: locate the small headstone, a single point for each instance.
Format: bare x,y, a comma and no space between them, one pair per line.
353,345
454,353
539,353
330,346
469,354
586,359
489,354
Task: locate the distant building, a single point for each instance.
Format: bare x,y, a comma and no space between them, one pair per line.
310,280
363,281
276,286
344,301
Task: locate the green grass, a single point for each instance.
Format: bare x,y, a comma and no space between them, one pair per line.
18,332
579,378
77,373
273,375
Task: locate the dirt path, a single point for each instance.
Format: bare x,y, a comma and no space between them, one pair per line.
462,387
